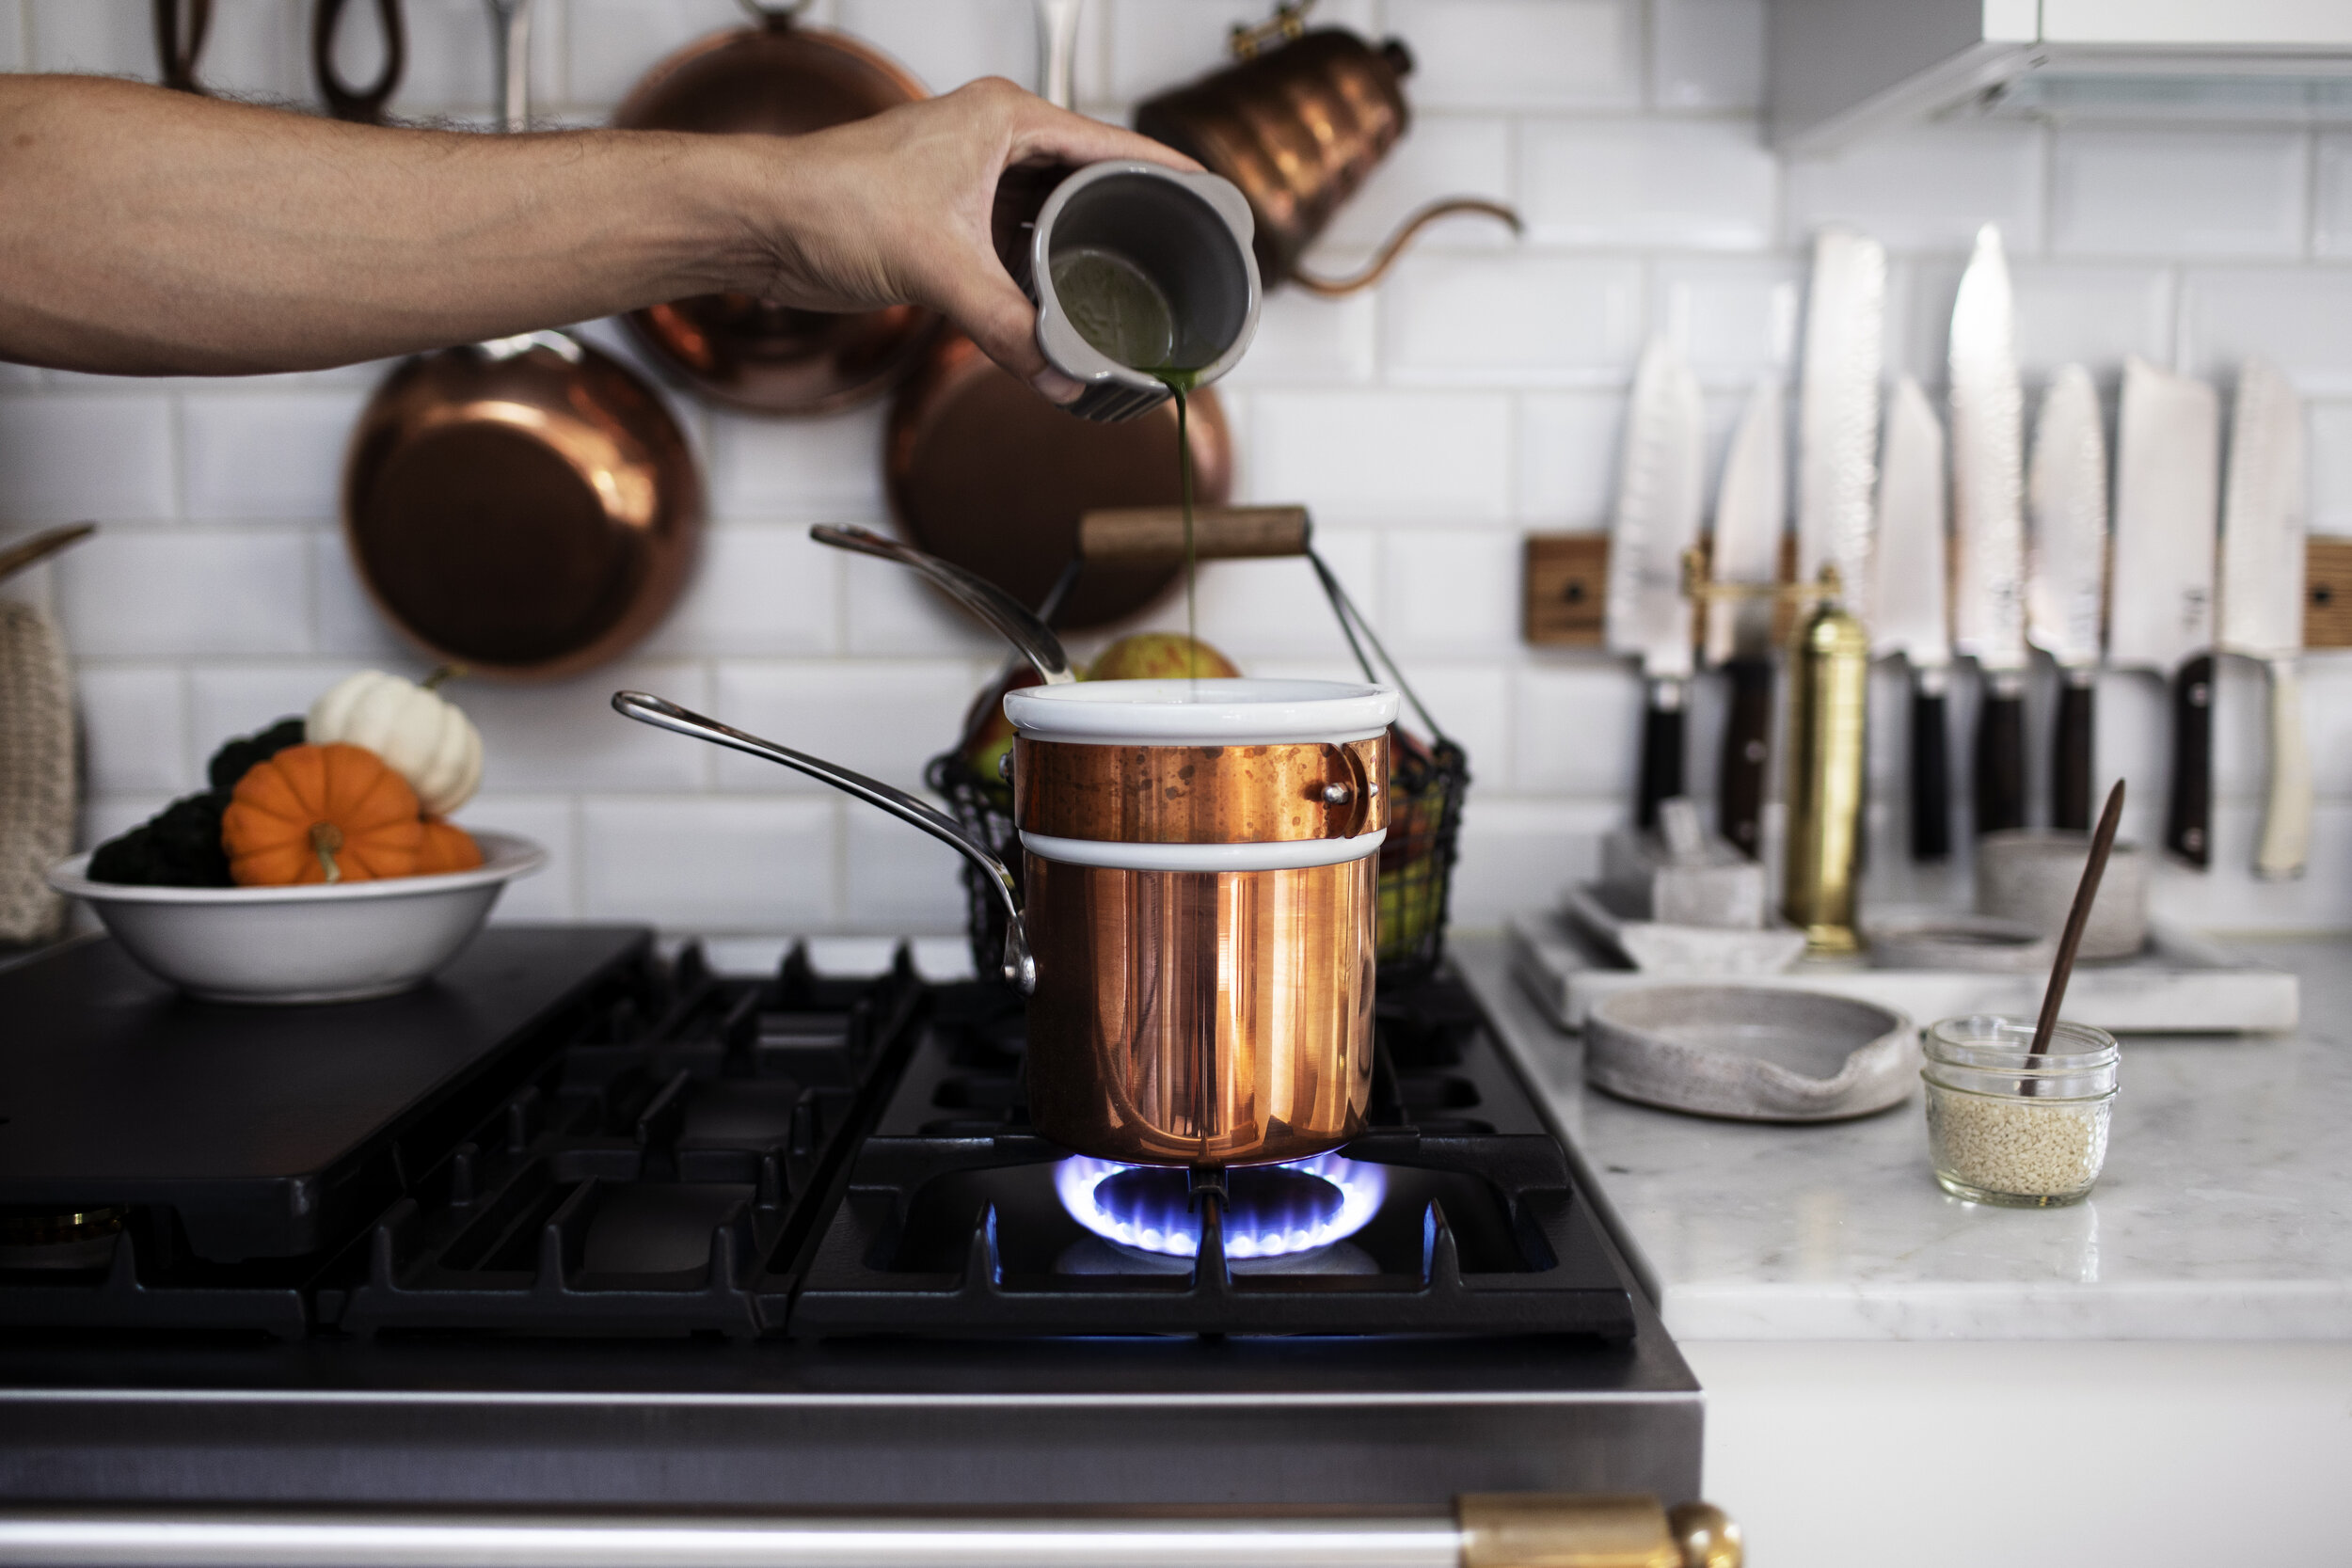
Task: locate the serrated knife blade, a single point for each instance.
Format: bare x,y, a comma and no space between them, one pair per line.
1988,526
2066,574
1913,608
2167,498
1838,417
1750,519
2262,594
1659,503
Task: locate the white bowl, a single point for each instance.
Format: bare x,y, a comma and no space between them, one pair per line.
314,944
1747,1052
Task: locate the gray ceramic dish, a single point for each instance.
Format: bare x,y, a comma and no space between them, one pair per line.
1747,1052
1977,942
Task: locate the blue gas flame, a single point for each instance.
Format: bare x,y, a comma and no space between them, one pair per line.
1157,1217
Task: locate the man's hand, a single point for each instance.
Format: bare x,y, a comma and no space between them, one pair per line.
896,208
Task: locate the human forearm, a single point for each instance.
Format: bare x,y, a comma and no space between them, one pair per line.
143,231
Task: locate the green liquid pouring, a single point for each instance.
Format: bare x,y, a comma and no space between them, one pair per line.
1119,310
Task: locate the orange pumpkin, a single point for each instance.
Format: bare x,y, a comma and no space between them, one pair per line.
321,814
447,848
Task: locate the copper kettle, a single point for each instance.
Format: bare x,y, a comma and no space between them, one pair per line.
1299,127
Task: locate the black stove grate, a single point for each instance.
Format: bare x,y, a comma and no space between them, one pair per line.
950,1225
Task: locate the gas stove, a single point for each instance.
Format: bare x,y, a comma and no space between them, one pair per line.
579,1224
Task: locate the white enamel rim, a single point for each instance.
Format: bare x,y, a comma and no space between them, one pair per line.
1287,855
1237,711
504,857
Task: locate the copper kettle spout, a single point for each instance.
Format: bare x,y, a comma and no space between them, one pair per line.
1394,246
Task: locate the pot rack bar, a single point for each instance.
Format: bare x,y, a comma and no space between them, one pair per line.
1502,1530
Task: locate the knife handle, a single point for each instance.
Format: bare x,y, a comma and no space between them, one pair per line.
2287,816
2188,819
1661,751
1931,771
1747,747
2001,753
2069,776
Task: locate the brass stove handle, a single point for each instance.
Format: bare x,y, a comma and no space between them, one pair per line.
1536,1530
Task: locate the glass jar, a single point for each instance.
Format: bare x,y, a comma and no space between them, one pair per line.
2008,1127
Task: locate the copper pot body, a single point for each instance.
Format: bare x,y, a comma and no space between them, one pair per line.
1200,1016
780,80
1297,128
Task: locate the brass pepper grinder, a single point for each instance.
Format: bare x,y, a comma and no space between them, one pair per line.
1830,663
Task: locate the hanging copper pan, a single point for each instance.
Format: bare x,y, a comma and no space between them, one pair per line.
779,79
983,473
527,507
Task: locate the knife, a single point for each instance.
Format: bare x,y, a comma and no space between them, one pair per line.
1987,525
1837,438
1657,520
2167,487
1751,514
2066,574
2262,595
1913,607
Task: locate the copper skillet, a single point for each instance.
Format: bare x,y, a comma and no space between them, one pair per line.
986,474
526,507
783,80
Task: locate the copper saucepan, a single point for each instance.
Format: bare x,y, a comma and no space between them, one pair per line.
1199,857
779,79
526,507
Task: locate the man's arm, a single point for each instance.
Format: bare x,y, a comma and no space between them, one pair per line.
153,232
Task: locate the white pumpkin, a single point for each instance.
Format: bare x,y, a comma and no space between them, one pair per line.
419,733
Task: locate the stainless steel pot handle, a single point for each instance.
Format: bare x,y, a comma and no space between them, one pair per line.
1012,619
1020,964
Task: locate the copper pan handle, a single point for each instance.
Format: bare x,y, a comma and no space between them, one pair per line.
662,714
1154,535
360,105
1014,620
1333,288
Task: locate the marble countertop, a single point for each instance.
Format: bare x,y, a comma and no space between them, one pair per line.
2225,1210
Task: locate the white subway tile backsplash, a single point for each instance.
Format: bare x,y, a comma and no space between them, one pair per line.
1731,321
705,865
1521,854
2227,895
348,621
1472,704
551,822
1579,722
1486,318
152,594
1439,457
2097,316
2330,445
1258,612
537,739
613,43
1442,155
12,35
266,455
900,880
1490,54
226,700
1699,184
824,470
100,40
757,590
2299,319
885,719
66,455
2331,225
1452,593
1304,337
450,71
948,42
2157,193
1930,187
892,613
135,737
1567,457
1707,53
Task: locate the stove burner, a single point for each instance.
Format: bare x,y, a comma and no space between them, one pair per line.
1270,1211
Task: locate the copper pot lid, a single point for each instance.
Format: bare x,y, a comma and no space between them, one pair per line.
776,79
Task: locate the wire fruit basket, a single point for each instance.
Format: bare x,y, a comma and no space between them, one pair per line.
1426,783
